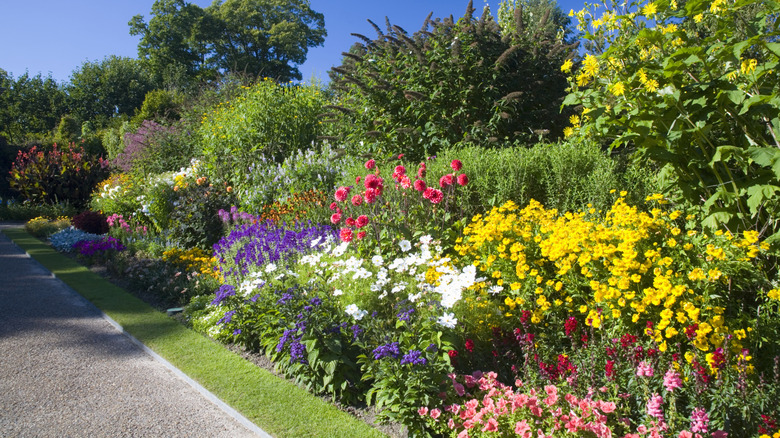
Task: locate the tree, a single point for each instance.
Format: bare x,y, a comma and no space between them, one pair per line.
29,105
175,42
265,37
254,37
101,90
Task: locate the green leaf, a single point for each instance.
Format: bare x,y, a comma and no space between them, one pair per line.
758,194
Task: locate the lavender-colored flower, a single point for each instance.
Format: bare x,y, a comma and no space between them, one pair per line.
286,337
236,332
356,331
284,299
432,348
413,357
406,315
316,301
387,350
222,293
227,317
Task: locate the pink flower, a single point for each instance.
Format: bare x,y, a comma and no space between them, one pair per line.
357,200
463,179
335,218
685,434
436,196
655,406
350,222
459,389
371,195
342,193
719,434
672,380
406,182
372,181
362,221
451,423
419,185
399,170
435,413
423,411
370,164
333,206
456,165
491,426
428,192
700,421
644,369
445,181
522,428
421,171
361,235
345,234
357,180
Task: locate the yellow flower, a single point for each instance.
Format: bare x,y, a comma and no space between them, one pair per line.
590,65
650,9
748,66
617,89
566,67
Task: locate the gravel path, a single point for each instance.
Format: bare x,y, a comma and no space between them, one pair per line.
65,371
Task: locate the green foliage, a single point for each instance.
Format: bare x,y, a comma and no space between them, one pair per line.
184,42
268,119
194,222
160,106
59,175
68,130
694,88
29,106
98,91
154,148
43,227
11,210
460,80
113,139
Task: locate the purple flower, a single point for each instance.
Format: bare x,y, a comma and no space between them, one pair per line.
406,314
413,357
356,331
222,293
89,248
227,317
387,350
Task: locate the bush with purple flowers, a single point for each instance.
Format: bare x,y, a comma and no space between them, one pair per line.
98,250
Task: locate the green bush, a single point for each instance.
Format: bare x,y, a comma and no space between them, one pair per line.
453,81
267,119
12,210
160,105
43,227
194,221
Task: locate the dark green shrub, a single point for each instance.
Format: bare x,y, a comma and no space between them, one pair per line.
59,175
91,222
194,222
449,82
160,105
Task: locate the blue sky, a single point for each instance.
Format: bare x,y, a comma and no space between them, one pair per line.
56,36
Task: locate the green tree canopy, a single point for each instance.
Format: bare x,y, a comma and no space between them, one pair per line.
255,37
100,90
29,105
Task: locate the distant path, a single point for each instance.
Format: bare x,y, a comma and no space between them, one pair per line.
66,372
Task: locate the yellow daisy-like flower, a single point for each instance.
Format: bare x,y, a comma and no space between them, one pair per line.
590,65
574,120
568,131
617,89
650,9
748,66
566,67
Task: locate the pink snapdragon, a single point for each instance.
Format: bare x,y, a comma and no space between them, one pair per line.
672,380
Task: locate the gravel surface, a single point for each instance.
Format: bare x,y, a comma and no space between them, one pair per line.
65,371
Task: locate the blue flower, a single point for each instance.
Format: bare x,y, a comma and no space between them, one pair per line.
222,293
413,358
227,317
387,350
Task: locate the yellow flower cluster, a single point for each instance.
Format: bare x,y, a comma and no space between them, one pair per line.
630,271
193,260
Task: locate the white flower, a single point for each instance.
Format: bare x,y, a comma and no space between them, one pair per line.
315,242
270,268
448,320
405,245
414,297
355,312
426,239
495,289
338,292
377,260
339,250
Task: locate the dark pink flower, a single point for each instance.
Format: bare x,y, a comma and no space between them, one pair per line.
436,196
406,182
342,193
463,179
372,181
361,235
370,195
370,164
350,221
357,180
335,218
357,200
445,181
428,192
419,185
456,165
362,221
333,206
346,234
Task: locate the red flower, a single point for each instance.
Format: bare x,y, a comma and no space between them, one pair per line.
400,156
399,172
456,165
469,345
428,192
345,234
350,221
357,200
421,172
361,235
463,179
372,181
362,221
436,196
335,218
342,193
371,195
445,181
357,180
419,185
370,164
453,353
333,206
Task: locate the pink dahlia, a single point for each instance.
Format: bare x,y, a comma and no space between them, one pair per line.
361,235
456,165
350,221
371,195
362,221
436,196
370,164
335,218
372,181
357,200
342,193
428,192
405,182
345,234
445,181
419,185
463,179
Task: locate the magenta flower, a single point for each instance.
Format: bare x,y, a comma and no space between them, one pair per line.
342,193
357,200
346,235
700,421
436,196
463,179
445,181
419,185
362,221
456,165
672,380
645,369
370,164
335,218
655,407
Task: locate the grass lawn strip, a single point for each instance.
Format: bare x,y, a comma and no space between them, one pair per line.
277,406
